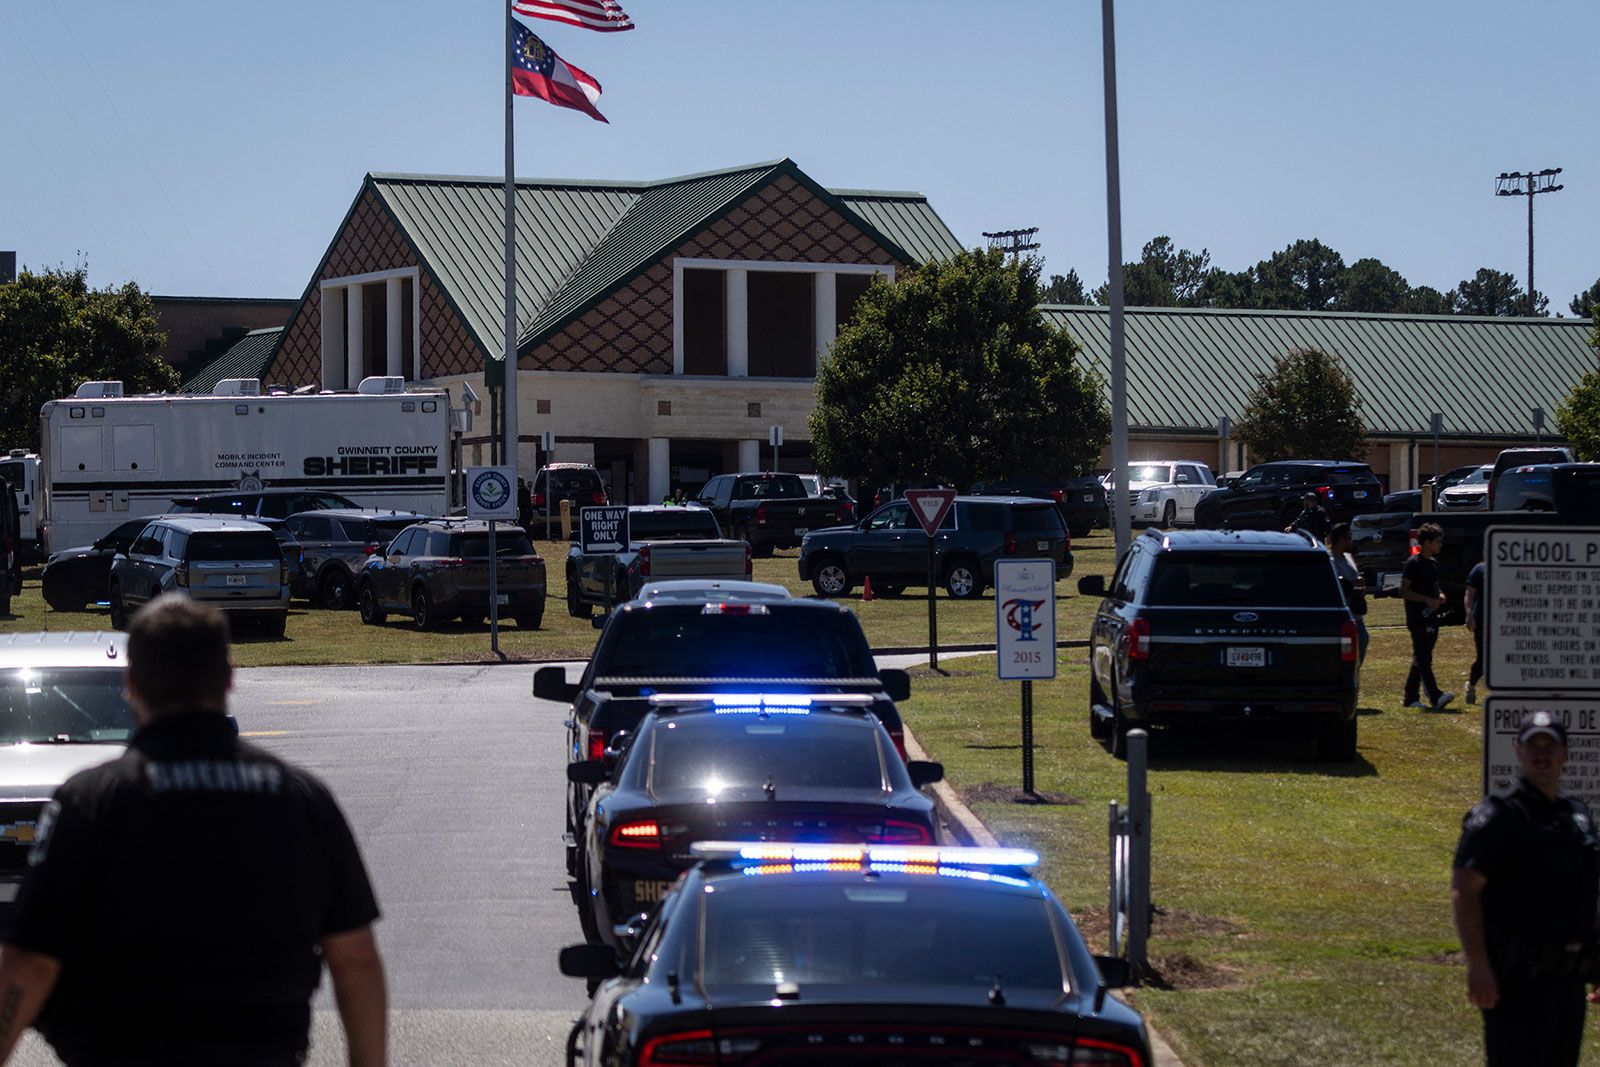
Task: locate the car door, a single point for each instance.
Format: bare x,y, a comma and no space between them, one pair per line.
1190,487
388,579
1252,497
883,541
315,534
133,575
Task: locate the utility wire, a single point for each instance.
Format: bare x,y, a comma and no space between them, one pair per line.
137,148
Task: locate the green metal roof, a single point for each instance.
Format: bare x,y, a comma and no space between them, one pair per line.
248,358
578,241
1188,367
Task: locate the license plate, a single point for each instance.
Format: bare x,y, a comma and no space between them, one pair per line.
236,579
1388,581
1044,546
1360,494
649,890
1247,657
8,891
801,531
502,599
1088,498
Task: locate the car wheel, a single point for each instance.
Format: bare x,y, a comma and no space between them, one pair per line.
367,599
275,626
119,610
65,597
1169,515
530,620
575,607
422,616
586,919
1079,532
831,579
1336,741
335,589
963,581
1098,728
5,605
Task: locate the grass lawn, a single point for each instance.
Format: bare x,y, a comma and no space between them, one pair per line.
315,636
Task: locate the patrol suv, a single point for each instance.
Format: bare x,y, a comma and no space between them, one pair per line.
1197,627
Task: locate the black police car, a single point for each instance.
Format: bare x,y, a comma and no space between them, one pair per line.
1270,496
1197,627
779,954
748,766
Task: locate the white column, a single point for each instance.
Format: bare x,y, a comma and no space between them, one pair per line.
394,319
749,457
826,314
355,333
1399,477
333,370
737,291
660,474
677,319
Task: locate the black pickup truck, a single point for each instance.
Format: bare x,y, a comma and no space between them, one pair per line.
770,510
1545,494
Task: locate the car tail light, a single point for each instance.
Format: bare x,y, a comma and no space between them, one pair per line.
1416,546
597,744
1081,1052
687,1047
449,561
1325,492
1011,543
749,561
598,498
898,736
644,833
181,576
644,561
761,515
900,832
538,500
370,550
1349,641
1055,494
1139,639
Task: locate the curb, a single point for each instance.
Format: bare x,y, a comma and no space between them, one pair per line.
968,829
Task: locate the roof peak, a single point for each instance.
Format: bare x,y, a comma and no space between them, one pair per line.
1504,320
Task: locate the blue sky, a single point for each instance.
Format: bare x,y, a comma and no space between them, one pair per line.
211,149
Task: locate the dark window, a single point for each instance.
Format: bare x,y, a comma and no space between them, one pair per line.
776,487
372,531
437,544
982,516
781,324
580,485
891,517
743,752
799,644
1580,495
679,524
1136,573
848,289
705,323
80,705
147,544
1531,489
220,505
401,545
123,535
1245,580
315,528
221,545
11,475
476,545
1040,519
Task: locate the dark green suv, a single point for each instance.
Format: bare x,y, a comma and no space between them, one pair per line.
439,570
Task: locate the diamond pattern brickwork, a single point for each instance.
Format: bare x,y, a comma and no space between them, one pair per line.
630,331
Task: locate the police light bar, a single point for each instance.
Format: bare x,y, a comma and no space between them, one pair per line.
735,852
761,703
725,608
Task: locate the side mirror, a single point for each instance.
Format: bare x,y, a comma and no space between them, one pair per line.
896,683
589,961
588,772
924,772
614,750
628,933
1182,479
1114,971
550,683
1092,585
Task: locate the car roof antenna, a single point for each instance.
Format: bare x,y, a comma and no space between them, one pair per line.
997,996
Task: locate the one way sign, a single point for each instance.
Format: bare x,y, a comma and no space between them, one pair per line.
930,506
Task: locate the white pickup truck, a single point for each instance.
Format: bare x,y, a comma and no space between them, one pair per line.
1164,492
663,542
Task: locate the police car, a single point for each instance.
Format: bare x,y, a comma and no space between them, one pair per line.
766,766
779,953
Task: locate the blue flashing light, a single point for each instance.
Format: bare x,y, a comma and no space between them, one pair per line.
777,700
924,856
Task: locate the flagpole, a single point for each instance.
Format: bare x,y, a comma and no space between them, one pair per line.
509,390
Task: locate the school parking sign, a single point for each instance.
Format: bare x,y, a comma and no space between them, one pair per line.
1025,618
490,493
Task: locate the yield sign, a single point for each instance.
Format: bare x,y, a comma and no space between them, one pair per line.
930,506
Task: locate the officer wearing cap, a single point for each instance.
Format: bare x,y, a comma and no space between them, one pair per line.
1524,892
182,899
1313,518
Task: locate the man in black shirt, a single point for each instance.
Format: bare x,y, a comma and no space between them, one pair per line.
1313,518
183,898
1419,588
1524,891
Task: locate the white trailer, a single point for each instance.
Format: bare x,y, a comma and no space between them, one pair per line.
19,471
106,458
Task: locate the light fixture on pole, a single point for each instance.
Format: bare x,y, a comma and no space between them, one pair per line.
1530,184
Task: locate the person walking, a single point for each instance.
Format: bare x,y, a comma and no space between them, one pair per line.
1523,892
1355,587
1419,588
1474,606
1313,518
182,900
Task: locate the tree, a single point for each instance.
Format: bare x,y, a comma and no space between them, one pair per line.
1305,276
1068,290
1578,416
1426,300
1164,276
1305,407
1586,302
1368,285
951,374
56,333
1493,292
1226,289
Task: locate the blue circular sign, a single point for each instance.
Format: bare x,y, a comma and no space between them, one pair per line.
490,490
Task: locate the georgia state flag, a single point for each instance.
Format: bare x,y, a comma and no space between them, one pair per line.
537,71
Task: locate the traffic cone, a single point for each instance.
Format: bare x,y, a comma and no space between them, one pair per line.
866,588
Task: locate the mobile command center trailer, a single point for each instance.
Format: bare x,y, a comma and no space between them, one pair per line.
106,458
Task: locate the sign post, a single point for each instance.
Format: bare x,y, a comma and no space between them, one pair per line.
491,495
775,436
930,506
1025,636
547,441
604,529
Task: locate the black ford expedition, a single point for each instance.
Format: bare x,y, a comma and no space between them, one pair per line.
1197,627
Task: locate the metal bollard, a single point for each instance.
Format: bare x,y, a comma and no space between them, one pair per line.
1139,851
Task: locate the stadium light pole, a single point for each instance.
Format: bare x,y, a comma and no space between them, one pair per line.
1120,519
1530,184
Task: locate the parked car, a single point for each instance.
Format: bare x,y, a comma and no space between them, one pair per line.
664,542
740,766
233,564
769,510
335,544
577,483
890,547
10,549
1469,494
438,570
847,954
1269,495
276,504
1411,499
1164,492
62,710
1081,500
1197,627
702,590
75,577
1512,458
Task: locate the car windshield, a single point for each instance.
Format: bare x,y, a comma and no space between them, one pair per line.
223,546
210,505
1477,477
58,705
1041,519
1244,580
476,545
772,487
685,643
866,933
746,751
375,531
1150,472
676,524
1346,475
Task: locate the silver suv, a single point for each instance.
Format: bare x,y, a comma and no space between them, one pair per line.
234,564
61,711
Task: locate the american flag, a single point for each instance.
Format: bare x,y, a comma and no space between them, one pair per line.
604,15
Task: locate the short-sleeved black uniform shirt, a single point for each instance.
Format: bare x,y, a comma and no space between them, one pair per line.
185,887
1541,862
1475,580
1424,575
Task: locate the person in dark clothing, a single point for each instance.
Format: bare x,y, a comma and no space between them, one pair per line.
1313,518
525,506
1474,605
182,900
1419,588
1524,888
